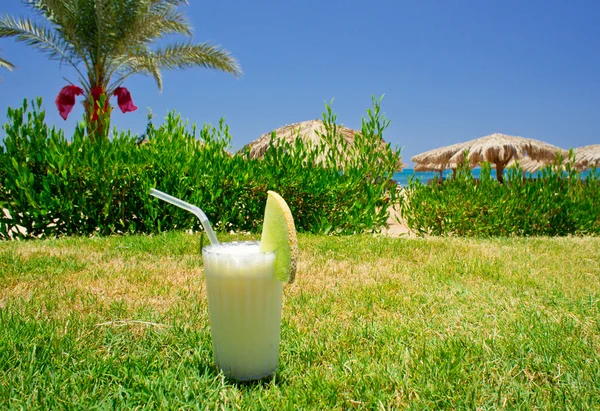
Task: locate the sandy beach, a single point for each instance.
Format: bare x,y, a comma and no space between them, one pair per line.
395,226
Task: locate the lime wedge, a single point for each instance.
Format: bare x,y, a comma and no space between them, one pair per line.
279,235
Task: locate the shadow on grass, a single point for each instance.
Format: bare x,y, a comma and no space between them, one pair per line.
262,383
247,386
213,372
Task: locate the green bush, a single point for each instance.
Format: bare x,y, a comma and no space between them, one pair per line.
555,203
332,196
52,187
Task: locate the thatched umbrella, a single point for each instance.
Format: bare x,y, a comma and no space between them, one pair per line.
430,167
500,149
310,132
438,158
587,156
527,164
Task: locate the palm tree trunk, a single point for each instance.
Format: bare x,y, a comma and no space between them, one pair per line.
97,124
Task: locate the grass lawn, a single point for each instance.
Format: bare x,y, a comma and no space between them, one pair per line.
375,323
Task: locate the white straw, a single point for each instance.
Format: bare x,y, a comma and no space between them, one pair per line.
192,209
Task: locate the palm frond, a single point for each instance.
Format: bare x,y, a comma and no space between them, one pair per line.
45,8
187,55
142,63
71,21
39,6
6,64
142,27
166,22
37,36
166,4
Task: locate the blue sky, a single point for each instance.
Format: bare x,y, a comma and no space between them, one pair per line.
450,70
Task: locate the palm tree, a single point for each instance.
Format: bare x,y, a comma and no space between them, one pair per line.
106,41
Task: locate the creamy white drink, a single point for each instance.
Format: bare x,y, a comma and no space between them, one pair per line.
244,303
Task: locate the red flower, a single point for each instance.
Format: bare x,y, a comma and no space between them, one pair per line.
66,99
124,100
96,93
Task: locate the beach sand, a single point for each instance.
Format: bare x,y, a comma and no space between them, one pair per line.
395,227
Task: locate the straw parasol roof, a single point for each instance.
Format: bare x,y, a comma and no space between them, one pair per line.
587,156
439,157
430,167
527,164
498,149
309,131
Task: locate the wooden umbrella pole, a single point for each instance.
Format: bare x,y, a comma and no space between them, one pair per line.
500,171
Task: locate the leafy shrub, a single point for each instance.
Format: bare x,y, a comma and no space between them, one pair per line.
52,187
556,203
333,196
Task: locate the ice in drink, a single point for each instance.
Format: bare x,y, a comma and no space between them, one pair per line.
244,303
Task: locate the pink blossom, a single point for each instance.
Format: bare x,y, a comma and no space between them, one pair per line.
124,100
66,99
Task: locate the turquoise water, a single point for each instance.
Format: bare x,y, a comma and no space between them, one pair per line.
403,176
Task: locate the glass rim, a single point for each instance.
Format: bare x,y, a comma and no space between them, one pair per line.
210,249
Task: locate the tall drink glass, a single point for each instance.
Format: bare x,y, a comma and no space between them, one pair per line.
244,304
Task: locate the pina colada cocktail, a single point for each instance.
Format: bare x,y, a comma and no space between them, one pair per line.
244,303
244,285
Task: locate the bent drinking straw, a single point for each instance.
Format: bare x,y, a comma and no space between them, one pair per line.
192,209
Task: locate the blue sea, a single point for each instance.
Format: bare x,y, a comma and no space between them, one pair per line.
403,177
